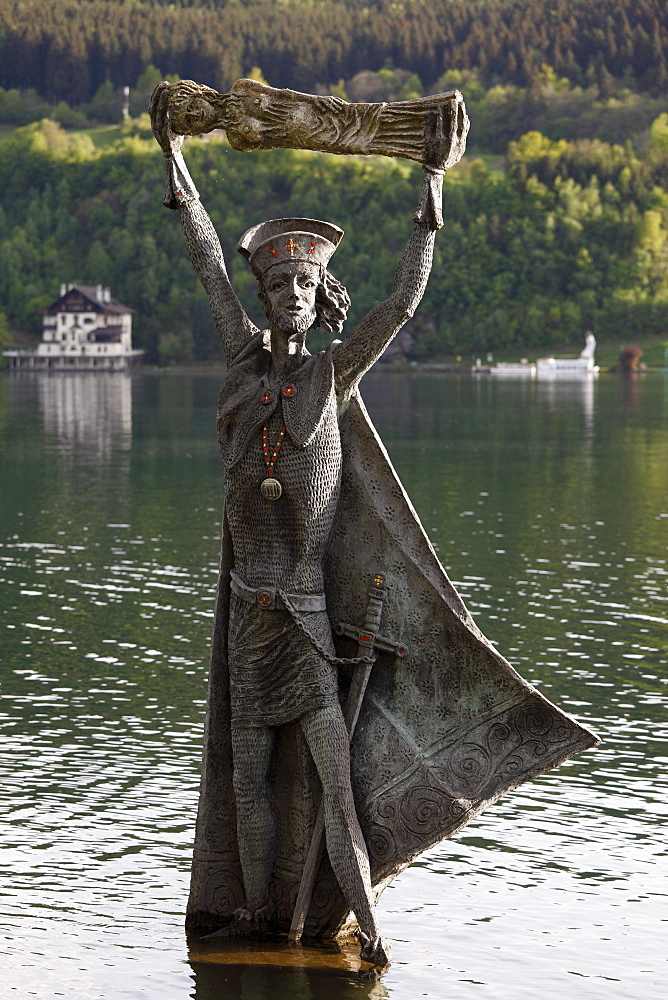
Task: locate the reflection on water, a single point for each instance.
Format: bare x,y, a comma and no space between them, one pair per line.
252,971
579,393
217,950
254,982
548,505
91,413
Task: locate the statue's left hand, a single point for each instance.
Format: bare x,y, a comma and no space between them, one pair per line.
439,132
438,137
159,110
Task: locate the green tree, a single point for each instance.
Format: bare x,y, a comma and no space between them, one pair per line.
141,92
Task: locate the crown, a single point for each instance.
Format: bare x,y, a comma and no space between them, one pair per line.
280,241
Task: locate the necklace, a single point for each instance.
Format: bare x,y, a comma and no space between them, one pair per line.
270,488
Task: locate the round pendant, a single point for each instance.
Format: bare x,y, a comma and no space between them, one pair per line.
271,489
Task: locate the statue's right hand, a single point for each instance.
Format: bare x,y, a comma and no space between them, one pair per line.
159,110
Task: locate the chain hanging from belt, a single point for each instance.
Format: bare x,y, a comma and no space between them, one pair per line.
367,656
270,488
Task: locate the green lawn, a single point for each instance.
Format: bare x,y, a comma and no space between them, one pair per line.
101,135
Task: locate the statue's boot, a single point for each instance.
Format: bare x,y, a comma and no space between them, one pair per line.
375,950
238,928
246,923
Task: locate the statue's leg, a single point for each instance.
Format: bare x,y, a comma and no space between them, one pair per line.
327,737
256,828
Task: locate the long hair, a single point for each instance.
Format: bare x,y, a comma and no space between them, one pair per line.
332,302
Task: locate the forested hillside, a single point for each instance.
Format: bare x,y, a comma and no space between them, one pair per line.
66,49
572,236
568,231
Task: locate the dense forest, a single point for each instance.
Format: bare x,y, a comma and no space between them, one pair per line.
66,49
573,235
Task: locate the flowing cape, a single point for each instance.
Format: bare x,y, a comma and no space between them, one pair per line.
443,732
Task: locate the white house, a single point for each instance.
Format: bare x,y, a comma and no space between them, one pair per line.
85,329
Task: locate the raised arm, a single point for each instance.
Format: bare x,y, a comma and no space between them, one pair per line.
232,323
354,356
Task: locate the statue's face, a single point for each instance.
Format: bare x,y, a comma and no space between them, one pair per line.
289,292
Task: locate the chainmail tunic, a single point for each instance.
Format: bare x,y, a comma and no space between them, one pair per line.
283,543
277,672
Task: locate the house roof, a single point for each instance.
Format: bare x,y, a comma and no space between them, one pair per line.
94,300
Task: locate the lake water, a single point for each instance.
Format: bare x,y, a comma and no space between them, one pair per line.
548,505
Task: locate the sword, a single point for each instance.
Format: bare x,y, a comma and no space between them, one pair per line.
369,643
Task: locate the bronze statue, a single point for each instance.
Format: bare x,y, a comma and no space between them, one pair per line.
329,584
256,116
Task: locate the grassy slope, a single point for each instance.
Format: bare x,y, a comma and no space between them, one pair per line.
101,135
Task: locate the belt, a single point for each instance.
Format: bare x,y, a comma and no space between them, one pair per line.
271,598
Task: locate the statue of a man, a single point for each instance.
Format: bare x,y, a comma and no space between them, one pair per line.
278,425
314,508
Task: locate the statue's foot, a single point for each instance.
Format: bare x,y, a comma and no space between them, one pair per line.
375,950
264,913
238,928
258,916
246,923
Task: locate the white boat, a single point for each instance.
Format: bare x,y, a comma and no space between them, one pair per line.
514,368
552,367
570,367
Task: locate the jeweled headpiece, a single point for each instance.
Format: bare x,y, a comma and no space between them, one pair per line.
282,240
